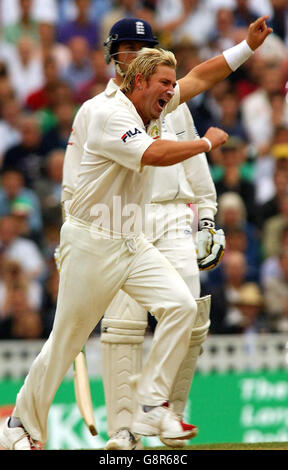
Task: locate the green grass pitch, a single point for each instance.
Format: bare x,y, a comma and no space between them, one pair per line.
231,446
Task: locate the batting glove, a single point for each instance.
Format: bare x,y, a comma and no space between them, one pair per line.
210,245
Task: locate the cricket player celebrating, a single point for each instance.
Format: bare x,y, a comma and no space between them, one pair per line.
101,254
168,226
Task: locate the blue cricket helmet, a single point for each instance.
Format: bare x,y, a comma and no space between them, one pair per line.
128,29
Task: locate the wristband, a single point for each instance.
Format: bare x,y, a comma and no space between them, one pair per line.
208,142
237,55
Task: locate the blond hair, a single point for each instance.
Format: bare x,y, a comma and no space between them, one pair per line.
146,63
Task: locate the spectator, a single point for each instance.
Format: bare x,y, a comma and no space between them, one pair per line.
206,109
49,300
49,48
58,135
19,249
3,68
60,92
51,239
22,209
121,9
261,8
227,34
271,207
21,322
6,50
279,149
241,234
225,313
244,14
276,296
280,19
10,11
274,51
267,165
273,229
45,10
270,267
49,187
26,26
9,125
281,137
67,10
230,116
13,276
100,78
25,70
15,199
187,56
223,34
251,307
189,19
79,71
40,98
236,240
6,88
258,111
236,175
28,156
249,79
80,27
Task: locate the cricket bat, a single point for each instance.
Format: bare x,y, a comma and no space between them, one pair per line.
82,392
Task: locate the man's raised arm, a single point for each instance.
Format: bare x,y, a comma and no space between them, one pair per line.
204,76
167,152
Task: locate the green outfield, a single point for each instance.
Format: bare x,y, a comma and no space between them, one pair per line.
253,408
234,446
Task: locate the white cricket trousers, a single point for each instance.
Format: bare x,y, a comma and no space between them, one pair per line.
92,271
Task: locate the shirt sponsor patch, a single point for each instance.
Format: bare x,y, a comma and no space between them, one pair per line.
130,134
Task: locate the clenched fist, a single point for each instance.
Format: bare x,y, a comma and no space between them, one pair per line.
216,136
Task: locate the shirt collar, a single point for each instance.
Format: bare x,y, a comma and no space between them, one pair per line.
122,98
111,88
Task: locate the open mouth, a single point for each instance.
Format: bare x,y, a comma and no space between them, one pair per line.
162,103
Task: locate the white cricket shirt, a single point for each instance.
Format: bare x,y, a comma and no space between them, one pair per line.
189,182
111,184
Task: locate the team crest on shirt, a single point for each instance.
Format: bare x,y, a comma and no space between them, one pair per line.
130,134
154,132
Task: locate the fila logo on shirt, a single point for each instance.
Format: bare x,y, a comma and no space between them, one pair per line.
140,29
130,134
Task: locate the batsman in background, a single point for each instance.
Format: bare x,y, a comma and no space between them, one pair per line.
91,274
125,322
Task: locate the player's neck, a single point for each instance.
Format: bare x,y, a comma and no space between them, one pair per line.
137,100
118,79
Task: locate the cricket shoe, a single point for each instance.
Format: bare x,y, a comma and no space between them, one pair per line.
177,443
161,421
124,440
16,438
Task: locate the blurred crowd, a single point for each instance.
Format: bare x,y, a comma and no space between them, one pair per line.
51,61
